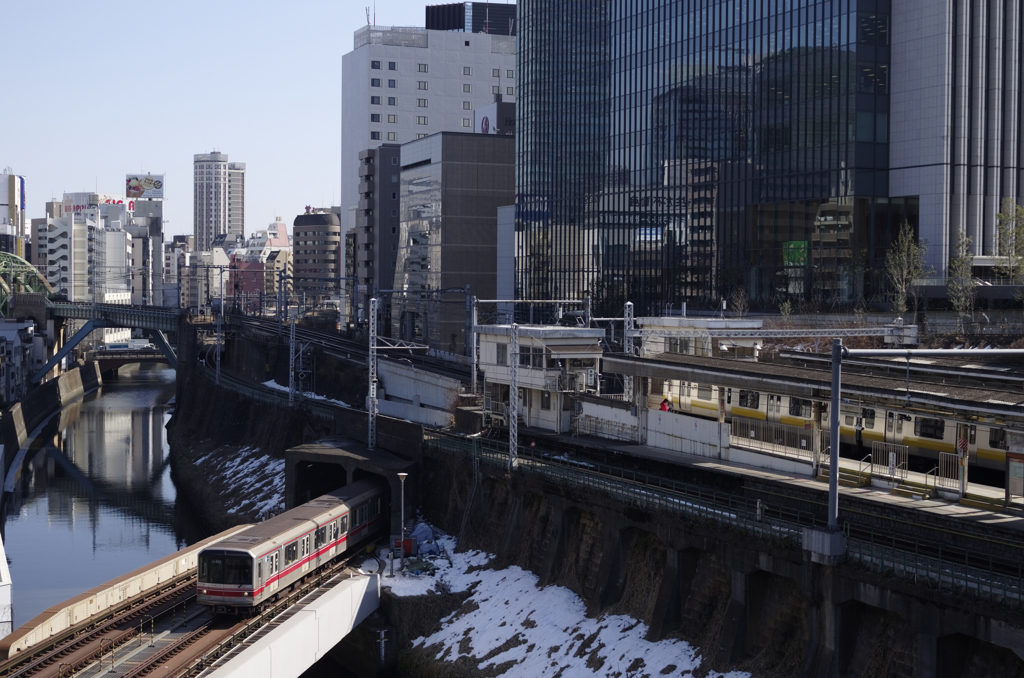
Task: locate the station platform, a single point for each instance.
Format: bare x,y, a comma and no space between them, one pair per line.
980,516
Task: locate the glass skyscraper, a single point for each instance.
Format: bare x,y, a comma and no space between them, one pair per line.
678,150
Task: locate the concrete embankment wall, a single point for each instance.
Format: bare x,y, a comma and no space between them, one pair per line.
746,602
20,419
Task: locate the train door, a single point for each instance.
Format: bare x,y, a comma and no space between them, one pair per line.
967,441
259,574
774,407
894,427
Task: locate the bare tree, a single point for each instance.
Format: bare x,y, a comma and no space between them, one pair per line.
1010,245
960,282
740,301
905,264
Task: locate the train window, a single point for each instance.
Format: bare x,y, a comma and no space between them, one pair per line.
997,438
375,507
321,537
259,570
343,522
888,421
798,407
926,427
225,569
849,420
291,553
704,391
869,418
750,399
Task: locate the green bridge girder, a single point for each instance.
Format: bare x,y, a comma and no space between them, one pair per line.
17,276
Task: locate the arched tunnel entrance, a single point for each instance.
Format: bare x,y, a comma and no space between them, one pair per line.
313,479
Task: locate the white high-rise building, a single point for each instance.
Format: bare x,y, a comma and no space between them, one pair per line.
401,84
219,198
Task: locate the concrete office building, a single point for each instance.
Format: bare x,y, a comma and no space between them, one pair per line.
783,163
219,198
452,185
401,84
13,225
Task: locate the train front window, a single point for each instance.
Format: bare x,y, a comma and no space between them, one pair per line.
225,569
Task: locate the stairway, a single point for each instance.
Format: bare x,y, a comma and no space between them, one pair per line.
910,489
847,478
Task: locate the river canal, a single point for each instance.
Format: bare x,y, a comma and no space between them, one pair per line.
95,497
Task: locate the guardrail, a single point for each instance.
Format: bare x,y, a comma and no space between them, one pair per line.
781,439
585,425
271,396
889,460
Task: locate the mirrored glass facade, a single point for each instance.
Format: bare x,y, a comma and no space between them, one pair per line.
676,150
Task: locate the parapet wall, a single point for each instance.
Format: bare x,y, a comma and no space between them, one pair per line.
20,419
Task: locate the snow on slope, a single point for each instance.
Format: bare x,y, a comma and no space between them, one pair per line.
533,631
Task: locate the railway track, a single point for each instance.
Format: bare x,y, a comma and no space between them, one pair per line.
83,645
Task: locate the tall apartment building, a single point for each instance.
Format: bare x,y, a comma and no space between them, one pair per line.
317,255
690,150
376,232
13,226
402,84
219,198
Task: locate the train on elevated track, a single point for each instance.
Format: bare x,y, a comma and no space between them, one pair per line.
252,568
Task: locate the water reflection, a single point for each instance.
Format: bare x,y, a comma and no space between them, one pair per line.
95,498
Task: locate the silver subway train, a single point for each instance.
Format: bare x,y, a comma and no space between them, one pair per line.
245,571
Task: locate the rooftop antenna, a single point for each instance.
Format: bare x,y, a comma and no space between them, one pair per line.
367,15
487,18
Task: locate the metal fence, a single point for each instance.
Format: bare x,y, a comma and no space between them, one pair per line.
586,425
949,471
783,439
888,460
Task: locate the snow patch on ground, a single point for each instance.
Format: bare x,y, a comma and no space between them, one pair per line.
305,394
253,481
544,631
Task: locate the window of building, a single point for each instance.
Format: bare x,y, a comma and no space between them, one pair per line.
421,84
394,177
375,136
496,72
467,87
420,135
392,119
467,70
466,106
421,68
467,43
421,120
374,82
392,84
508,74
391,101
392,66
374,117
391,136
508,91
375,101
466,122
394,161
502,357
375,65
421,103
394,195
495,89
394,213
545,400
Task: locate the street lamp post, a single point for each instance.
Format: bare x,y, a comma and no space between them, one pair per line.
402,477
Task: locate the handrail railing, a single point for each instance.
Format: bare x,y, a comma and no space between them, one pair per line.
934,473
860,466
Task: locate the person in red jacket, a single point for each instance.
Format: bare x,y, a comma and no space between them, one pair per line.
665,405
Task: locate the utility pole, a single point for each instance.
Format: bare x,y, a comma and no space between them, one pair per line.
280,302
627,331
472,338
291,364
513,399
220,323
371,434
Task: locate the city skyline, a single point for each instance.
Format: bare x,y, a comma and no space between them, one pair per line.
151,110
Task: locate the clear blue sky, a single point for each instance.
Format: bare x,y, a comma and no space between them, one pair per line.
95,90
